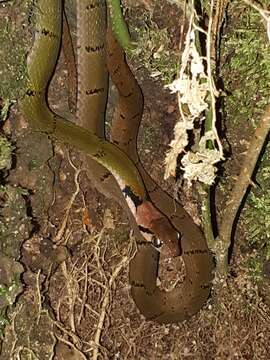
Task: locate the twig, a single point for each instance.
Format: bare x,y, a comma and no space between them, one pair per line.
39,301
240,187
204,191
88,307
105,304
212,88
84,297
60,233
15,335
210,114
71,288
32,354
75,338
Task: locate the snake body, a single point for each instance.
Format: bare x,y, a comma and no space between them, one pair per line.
185,300
155,212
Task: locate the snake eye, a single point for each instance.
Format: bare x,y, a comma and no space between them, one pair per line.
179,236
157,243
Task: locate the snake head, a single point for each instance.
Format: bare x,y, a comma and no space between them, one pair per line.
157,228
165,234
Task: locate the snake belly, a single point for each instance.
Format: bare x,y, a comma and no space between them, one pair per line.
40,68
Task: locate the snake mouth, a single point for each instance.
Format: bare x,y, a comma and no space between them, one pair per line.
159,242
151,237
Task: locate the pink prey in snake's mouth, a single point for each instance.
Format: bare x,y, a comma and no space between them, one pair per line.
153,225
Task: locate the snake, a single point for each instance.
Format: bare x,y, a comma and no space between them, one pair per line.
158,218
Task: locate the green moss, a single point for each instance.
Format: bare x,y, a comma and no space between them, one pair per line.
10,287
4,321
5,153
246,68
7,292
4,111
15,225
257,219
33,164
258,211
255,268
153,50
13,39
